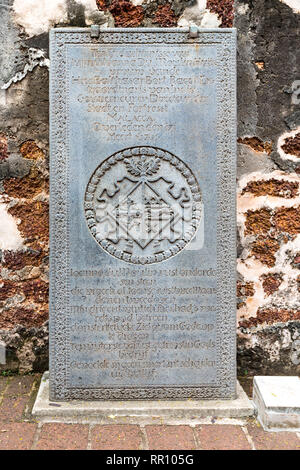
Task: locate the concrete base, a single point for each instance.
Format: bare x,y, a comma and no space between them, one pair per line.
277,400
140,411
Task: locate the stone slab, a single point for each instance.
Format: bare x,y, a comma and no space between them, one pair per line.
277,399
139,411
142,214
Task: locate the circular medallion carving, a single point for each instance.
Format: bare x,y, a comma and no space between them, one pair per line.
143,205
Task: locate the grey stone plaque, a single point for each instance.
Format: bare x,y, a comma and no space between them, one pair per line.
142,268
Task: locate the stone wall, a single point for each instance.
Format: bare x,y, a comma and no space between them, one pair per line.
268,167
268,187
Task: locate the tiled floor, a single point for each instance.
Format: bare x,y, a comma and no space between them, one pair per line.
19,431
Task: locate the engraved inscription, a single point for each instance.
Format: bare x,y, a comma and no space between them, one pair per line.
143,205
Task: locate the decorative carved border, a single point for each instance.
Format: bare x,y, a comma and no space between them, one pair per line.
225,40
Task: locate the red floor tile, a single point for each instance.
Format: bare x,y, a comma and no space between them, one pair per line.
170,437
273,440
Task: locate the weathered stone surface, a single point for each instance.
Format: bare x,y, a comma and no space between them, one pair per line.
59,436
268,219
272,440
263,104
268,222
224,9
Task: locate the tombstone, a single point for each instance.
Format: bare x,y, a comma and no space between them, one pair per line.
142,214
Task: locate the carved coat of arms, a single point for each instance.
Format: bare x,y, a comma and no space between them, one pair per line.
143,205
